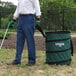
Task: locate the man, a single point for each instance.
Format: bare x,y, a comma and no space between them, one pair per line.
25,12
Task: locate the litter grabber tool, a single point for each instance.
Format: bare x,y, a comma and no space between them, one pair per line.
10,24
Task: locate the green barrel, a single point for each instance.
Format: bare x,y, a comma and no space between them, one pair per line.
58,47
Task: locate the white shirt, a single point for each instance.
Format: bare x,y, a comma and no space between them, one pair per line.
28,7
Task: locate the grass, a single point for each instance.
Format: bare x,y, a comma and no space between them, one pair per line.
40,69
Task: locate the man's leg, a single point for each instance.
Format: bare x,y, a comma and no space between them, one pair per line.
20,42
29,32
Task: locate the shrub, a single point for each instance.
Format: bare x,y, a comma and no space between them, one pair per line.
4,21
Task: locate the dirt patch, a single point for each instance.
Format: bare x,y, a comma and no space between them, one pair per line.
11,42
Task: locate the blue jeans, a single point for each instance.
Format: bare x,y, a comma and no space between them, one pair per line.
25,30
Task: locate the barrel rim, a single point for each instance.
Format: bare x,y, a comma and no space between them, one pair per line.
59,32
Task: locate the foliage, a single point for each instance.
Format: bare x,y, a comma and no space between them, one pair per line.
5,21
56,16
6,8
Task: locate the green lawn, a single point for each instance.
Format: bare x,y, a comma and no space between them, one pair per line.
40,69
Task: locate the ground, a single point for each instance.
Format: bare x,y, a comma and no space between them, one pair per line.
40,69
11,42
39,42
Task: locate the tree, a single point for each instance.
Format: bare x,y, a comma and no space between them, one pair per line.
55,14
6,8
6,11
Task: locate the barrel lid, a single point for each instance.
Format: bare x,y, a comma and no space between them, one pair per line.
59,32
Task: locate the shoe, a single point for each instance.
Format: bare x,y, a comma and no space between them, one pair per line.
30,64
12,63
